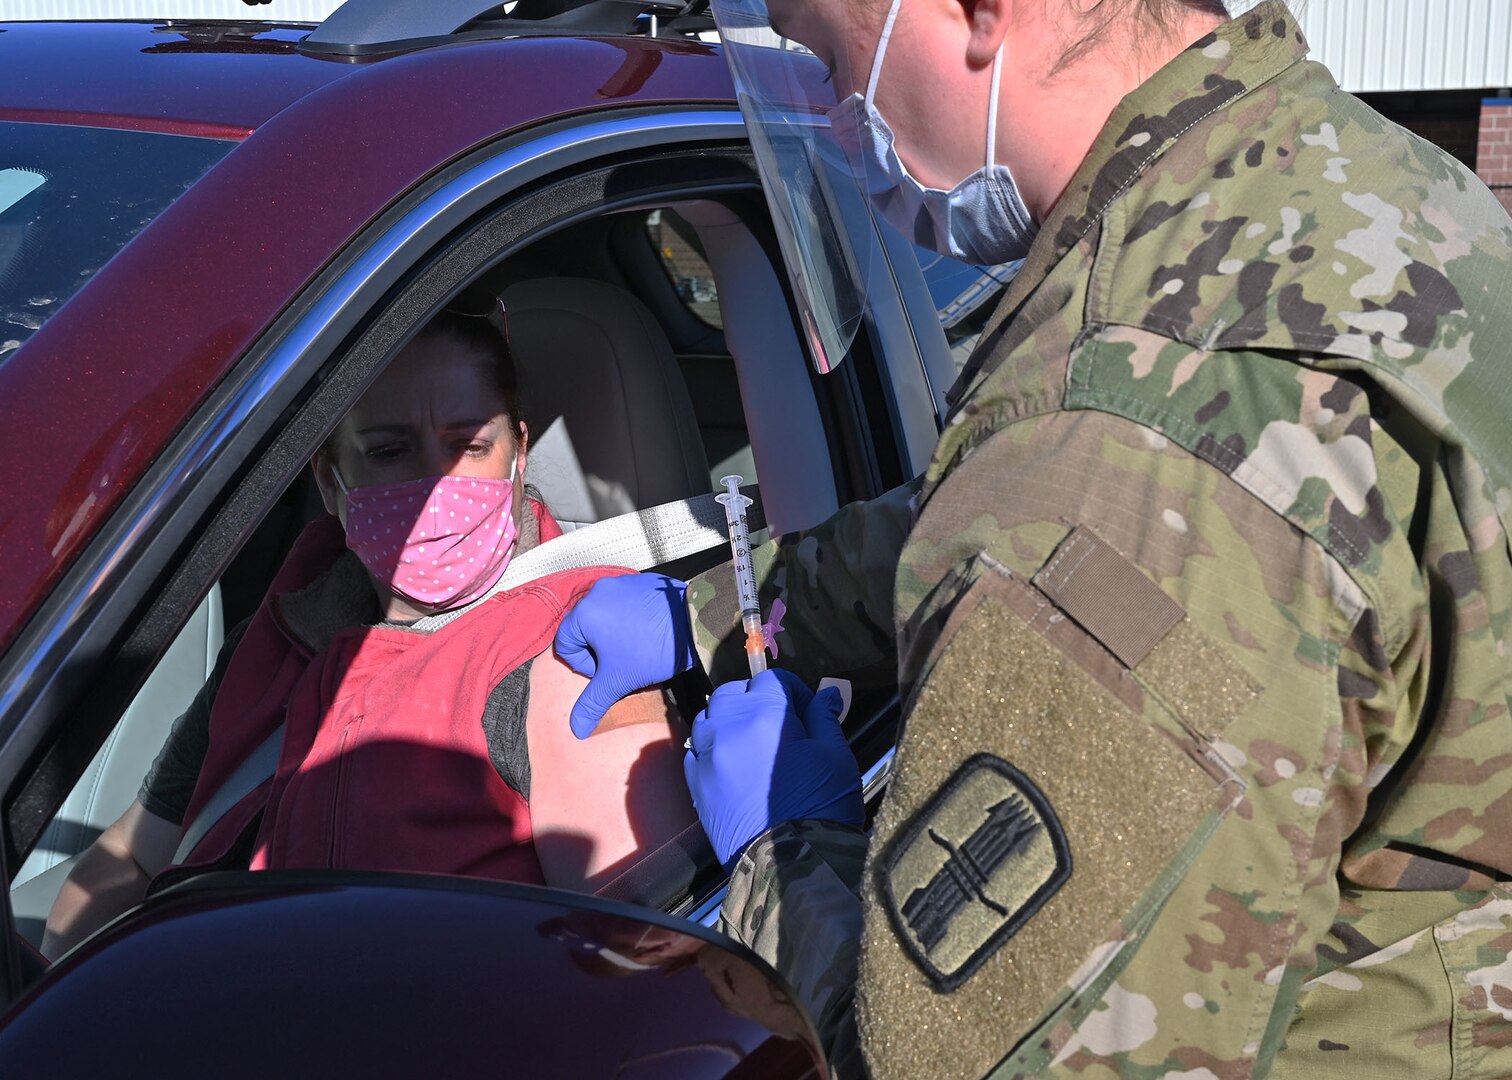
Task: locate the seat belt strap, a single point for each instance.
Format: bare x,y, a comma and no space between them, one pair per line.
638,540
258,766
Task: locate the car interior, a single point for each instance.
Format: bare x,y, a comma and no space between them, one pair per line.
658,352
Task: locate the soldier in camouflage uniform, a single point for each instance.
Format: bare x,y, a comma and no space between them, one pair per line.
1201,616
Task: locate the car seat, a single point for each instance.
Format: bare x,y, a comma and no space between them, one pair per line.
110,783
612,428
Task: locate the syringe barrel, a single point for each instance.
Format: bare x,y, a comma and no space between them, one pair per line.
734,507
745,575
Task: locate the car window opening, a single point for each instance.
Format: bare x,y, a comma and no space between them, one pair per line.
585,463
683,258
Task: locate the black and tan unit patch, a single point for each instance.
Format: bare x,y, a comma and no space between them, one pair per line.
972,866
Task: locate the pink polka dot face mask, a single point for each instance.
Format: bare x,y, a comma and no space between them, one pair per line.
439,541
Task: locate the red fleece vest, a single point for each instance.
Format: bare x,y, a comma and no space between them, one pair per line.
384,763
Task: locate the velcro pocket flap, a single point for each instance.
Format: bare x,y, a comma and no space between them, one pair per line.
1043,805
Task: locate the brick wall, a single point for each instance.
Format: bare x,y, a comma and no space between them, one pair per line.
1493,152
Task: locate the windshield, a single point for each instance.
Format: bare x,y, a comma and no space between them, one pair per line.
70,198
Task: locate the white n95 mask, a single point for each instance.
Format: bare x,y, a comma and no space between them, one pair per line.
981,220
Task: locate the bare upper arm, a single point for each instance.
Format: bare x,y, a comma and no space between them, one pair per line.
150,841
598,802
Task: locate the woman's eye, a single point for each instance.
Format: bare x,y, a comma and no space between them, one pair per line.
477,449
385,453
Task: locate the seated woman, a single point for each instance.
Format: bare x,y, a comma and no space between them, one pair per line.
408,719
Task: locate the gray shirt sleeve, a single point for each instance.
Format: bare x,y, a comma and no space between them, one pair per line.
169,783
504,729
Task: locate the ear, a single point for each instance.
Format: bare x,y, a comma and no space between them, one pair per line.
521,499
988,22
520,448
325,482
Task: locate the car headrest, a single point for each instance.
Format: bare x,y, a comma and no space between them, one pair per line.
612,428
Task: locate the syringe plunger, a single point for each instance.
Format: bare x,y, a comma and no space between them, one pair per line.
733,501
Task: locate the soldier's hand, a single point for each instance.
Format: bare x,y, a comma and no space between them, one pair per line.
767,751
628,633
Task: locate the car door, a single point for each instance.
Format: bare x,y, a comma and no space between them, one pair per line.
142,577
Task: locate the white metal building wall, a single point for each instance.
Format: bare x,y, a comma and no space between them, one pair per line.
277,11
1412,44
1368,44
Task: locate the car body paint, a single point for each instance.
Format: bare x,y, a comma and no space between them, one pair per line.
373,975
101,388
147,77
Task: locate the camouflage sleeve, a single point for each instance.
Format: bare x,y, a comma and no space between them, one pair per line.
793,901
1121,661
827,592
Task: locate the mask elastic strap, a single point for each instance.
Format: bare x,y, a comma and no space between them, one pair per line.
992,106
876,71
339,482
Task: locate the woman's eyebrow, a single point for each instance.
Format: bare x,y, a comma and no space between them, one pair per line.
470,425
451,425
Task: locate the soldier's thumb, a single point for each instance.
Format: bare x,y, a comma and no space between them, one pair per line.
822,717
596,699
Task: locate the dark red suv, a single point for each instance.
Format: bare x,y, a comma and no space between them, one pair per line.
212,237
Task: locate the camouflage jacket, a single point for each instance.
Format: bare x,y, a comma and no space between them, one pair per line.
1200,617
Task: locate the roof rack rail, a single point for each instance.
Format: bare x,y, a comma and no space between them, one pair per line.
361,28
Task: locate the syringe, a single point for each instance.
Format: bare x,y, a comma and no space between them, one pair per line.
745,572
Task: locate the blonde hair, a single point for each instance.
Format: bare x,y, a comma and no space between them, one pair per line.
1157,19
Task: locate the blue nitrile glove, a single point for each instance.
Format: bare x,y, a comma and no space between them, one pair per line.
628,633
767,751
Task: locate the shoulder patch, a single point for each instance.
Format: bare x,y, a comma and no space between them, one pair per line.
981,857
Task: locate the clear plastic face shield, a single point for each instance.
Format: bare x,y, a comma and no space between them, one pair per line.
814,188
805,72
